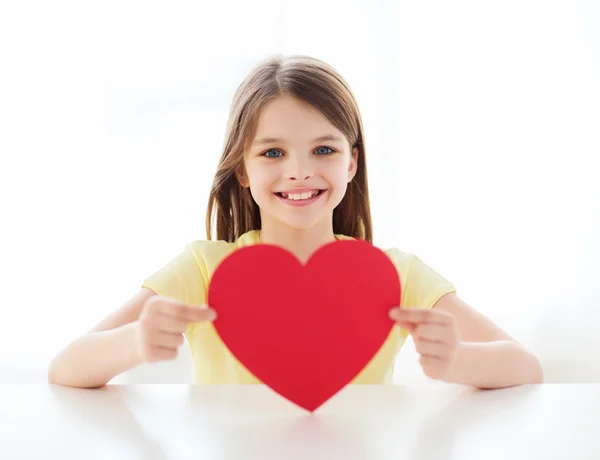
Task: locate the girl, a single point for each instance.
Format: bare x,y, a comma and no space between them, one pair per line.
292,173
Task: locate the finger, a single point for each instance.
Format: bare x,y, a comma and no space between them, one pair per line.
433,367
410,327
201,314
170,325
432,332
166,340
417,315
164,354
431,349
189,313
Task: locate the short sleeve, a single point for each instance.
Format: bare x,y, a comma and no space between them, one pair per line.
181,279
422,286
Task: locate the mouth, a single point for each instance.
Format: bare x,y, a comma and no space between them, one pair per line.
300,198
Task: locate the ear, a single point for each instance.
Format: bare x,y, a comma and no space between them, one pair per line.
353,165
240,174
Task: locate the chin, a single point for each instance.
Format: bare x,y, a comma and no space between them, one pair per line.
300,224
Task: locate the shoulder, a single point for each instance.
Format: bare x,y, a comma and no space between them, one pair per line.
422,285
186,276
207,249
409,263
402,260
399,257
209,253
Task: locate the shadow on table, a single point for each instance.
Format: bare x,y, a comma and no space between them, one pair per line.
302,437
464,415
265,428
111,420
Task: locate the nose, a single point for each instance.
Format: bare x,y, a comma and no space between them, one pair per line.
298,168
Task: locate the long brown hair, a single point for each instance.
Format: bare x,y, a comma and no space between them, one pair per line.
308,79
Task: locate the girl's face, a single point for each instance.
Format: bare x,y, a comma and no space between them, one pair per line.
298,165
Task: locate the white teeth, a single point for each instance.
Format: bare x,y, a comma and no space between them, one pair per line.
300,196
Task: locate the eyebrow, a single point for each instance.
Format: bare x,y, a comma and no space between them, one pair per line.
273,140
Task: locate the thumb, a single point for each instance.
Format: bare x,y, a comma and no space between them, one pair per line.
410,327
407,325
202,313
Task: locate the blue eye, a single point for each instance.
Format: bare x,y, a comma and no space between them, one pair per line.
275,153
323,151
268,153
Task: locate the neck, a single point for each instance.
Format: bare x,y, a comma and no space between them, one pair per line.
300,242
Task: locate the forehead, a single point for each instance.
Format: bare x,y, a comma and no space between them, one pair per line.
289,118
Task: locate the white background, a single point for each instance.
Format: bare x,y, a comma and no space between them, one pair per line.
482,130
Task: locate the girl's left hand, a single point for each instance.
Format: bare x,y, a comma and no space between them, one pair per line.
436,338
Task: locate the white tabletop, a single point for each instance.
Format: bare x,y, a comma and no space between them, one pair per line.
429,422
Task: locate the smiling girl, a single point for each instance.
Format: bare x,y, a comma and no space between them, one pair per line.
293,174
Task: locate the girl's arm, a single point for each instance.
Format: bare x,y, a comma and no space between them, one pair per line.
94,359
106,351
498,364
460,345
487,356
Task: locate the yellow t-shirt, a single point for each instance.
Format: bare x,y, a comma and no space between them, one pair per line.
187,277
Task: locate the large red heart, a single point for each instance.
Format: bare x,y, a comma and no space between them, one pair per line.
305,331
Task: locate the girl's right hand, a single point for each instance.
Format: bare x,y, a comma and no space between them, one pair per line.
160,327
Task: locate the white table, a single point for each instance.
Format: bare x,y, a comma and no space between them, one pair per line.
430,422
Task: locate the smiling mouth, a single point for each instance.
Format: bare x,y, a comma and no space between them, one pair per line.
300,196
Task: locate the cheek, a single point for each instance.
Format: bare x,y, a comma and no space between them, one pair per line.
337,174
260,179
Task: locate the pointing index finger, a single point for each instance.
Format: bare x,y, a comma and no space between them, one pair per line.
415,315
200,313
190,313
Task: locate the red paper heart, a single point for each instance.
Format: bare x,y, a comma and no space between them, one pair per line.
305,331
